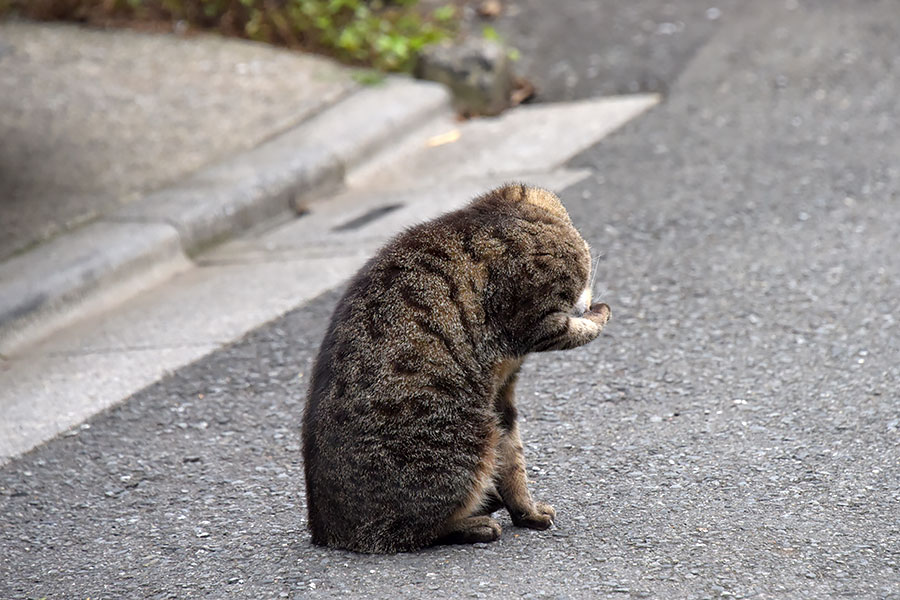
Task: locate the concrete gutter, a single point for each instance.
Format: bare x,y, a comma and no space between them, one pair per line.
139,244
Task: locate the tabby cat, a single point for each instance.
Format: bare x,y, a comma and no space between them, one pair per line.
409,431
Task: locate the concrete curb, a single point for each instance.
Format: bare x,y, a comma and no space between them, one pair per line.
56,277
39,288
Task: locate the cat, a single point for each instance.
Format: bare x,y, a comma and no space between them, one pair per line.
409,430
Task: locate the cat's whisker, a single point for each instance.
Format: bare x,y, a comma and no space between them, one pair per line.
595,260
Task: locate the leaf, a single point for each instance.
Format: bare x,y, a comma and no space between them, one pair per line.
349,39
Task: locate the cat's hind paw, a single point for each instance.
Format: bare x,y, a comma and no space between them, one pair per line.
472,530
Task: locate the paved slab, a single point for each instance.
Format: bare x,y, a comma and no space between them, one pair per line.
358,221
516,142
90,119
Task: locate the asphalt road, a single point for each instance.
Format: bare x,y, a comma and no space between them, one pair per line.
734,433
575,49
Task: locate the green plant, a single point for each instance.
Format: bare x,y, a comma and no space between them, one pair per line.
387,35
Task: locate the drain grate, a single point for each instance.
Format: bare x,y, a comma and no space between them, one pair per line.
367,217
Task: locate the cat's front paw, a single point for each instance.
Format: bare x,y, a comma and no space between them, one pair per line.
540,517
599,313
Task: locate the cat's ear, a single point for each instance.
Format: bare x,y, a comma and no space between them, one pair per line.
546,200
519,192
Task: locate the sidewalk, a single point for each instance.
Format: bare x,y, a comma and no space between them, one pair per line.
122,153
160,277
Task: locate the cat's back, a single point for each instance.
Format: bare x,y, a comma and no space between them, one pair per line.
398,396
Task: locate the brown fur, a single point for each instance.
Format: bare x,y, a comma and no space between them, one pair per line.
409,432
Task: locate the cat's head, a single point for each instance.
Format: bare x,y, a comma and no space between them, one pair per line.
545,264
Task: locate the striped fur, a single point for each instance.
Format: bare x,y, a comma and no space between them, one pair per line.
409,431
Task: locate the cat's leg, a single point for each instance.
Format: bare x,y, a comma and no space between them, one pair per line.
510,477
561,331
467,525
513,488
492,503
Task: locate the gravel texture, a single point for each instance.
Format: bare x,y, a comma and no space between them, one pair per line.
734,433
